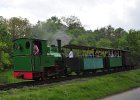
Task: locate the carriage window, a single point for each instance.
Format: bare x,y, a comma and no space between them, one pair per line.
27,45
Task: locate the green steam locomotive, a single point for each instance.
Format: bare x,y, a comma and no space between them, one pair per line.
52,61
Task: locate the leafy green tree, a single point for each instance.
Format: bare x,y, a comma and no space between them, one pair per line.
5,44
119,32
122,42
74,26
81,40
133,39
91,39
72,22
3,25
119,38
105,32
53,24
4,57
104,43
19,27
87,39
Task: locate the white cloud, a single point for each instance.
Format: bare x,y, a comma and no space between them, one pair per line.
92,13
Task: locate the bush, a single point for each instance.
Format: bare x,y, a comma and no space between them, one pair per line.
4,57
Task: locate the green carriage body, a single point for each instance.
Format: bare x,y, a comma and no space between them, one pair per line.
93,63
83,64
115,61
112,62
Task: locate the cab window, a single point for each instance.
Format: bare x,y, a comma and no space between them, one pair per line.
28,45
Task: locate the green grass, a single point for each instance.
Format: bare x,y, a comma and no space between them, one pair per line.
7,76
81,89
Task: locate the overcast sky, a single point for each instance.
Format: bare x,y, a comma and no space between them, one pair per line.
92,13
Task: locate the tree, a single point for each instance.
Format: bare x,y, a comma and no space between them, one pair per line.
133,39
74,26
87,39
19,27
81,40
72,22
5,44
4,57
3,25
104,43
122,42
119,32
4,34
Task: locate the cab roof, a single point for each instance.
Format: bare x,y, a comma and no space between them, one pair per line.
29,39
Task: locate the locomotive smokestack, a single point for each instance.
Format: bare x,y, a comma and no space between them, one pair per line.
59,45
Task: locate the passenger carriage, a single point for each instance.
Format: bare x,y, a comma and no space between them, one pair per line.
87,59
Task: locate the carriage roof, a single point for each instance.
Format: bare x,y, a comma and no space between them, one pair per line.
91,48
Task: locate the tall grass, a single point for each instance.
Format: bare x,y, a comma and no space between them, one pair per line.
82,89
7,76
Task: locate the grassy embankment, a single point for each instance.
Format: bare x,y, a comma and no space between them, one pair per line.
8,77
85,89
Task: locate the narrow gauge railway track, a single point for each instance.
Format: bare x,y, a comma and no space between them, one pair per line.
55,80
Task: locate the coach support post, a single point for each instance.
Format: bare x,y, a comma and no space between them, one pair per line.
59,45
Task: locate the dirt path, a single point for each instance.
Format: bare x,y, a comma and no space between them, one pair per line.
129,95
